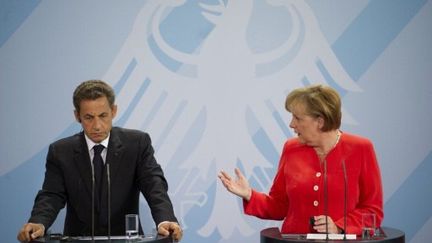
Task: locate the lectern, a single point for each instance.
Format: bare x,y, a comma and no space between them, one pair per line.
103,239
387,235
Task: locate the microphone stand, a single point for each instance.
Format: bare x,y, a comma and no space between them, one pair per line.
93,203
109,201
345,196
326,198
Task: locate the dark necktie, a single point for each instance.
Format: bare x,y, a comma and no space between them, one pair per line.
98,171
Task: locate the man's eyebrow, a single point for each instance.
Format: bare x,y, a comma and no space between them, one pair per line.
100,114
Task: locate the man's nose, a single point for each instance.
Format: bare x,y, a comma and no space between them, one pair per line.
97,124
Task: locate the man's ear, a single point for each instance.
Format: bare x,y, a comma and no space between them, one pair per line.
77,118
114,110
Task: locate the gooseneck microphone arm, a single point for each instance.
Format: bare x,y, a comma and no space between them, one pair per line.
326,198
109,200
345,197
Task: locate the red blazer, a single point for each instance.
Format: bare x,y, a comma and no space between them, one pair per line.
297,192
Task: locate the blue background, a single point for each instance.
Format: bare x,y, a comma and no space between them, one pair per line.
48,47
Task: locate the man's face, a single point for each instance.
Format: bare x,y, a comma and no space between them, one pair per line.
96,118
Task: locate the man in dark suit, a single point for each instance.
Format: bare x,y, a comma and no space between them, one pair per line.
77,174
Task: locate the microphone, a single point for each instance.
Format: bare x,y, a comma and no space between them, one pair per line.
345,197
328,236
93,202
109,200
326,198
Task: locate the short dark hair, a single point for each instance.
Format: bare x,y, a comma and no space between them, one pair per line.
91,90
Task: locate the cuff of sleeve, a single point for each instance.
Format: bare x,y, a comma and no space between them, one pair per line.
161,223
42,225
246,204
165,222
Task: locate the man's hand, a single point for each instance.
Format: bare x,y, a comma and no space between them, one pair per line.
30,231
173,228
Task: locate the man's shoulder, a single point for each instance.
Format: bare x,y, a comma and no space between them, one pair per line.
68,141
120,131
127,135
130,138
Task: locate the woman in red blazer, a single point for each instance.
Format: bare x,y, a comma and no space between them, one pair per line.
320,155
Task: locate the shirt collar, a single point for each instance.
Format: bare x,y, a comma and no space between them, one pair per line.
91,144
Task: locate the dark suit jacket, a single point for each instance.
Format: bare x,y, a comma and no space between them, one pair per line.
68,180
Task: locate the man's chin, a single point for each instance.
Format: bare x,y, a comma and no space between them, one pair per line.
98,138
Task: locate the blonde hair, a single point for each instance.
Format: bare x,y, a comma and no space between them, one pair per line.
319,101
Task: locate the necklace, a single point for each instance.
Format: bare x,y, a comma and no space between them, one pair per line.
334,145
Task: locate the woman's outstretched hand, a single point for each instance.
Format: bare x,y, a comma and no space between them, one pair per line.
239,186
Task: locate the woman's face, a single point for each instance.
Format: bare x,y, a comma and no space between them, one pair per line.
307,127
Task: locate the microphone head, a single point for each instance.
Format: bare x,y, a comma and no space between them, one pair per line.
312,220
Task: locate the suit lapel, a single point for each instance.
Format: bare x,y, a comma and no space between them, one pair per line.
113,158
82,160
115,152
